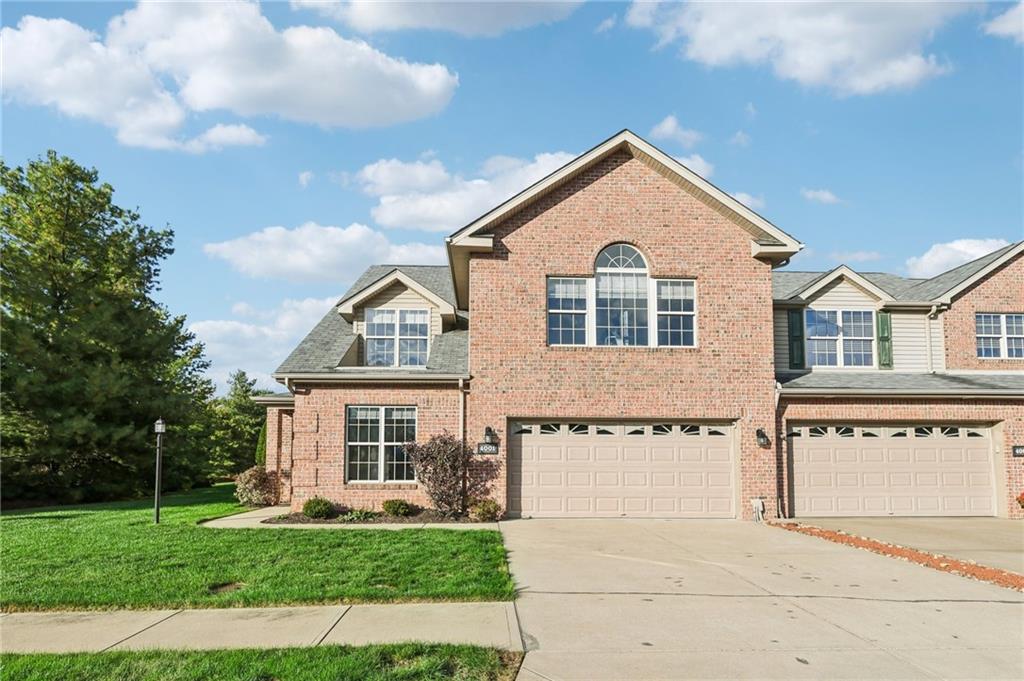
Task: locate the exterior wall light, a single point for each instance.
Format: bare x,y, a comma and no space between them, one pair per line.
489,436
762,439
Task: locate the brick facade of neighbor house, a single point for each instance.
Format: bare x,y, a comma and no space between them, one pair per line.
279,448
1007,416
318,454
729,376
1002,291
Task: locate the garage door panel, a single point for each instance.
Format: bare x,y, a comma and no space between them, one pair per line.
899,470
621,470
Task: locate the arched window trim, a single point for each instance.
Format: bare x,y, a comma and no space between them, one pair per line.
671,321
622,312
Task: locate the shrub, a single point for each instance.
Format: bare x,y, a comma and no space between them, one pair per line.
256,487
317,507
485,511
441,464
359,515
1020,499
397,507
261,445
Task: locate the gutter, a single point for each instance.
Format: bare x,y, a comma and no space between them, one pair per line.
375,377
917,394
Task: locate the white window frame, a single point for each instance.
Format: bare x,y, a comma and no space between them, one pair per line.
397,337
1003,337
381,443
653,294
840,361
585,312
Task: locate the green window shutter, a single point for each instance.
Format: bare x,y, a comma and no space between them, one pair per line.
796,339
884,339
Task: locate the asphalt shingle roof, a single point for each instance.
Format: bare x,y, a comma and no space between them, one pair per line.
787,284
894,381
323,348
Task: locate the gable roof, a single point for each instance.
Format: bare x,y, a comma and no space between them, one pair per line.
789,285
346,306
841,272
435,278
763,231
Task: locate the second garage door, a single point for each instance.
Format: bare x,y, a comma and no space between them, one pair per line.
657,470
899,470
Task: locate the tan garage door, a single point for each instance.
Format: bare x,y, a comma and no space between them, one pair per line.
904,470
656,470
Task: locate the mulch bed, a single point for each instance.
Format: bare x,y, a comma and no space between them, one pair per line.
1004,578
424,516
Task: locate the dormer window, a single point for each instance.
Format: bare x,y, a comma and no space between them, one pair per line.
396,338
840,338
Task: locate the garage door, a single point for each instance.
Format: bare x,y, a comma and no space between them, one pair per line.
904,470
657,470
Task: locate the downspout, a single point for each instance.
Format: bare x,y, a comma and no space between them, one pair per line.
928,336
462,410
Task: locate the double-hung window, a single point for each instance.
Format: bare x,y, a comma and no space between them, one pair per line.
677,314
375,444
567,311
999,335
396,337
840,338
621,305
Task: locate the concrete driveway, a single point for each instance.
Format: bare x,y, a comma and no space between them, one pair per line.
663,599
995,542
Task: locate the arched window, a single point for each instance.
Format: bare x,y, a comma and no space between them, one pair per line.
622,310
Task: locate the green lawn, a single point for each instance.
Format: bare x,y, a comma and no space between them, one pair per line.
328,663
112,556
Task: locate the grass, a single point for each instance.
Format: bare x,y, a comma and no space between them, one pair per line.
101,556
408,662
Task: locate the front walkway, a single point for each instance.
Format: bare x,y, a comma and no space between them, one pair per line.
254,519
994,542
650,599
484,624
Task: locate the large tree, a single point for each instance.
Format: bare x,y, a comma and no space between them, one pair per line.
89,359
238,424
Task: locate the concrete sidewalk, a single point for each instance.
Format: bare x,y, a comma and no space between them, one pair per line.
254,519
486,624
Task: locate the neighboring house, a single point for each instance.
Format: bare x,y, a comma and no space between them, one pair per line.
622,328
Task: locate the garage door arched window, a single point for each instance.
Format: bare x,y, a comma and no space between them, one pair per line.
622,296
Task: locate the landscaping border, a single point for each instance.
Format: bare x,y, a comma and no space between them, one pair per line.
936,561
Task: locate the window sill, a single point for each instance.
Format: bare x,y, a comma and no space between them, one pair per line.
628,348
393,485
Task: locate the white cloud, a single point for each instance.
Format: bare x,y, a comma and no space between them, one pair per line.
669,129
740,139
855,256
486,18
305,177
946,256
697,164
160,61
260,341
820,196
1009,24
418,195
312,252
220,136
755,202
391,176
852,48
606,25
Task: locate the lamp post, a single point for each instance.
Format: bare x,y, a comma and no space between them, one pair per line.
159,428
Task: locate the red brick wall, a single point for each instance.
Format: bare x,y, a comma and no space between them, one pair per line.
1009,414
729,376
279,448
319,446
1000,292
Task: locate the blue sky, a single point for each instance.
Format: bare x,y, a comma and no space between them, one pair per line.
886,136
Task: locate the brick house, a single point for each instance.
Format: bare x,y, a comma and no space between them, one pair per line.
624,331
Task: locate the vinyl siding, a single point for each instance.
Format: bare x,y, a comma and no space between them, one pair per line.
781,327
909,341
938,344
842,294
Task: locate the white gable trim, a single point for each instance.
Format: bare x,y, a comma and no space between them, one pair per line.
347,306
842,272
623,138
948,296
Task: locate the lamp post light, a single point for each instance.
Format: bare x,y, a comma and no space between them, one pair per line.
159,428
